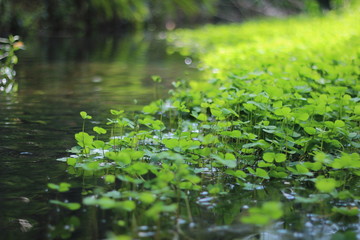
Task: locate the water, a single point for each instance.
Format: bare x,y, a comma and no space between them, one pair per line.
57,78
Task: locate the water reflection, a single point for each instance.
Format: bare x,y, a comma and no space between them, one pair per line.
57,78
102,69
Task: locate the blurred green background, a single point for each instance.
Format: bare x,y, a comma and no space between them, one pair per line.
81,17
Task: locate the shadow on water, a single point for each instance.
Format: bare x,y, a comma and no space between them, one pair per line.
58,78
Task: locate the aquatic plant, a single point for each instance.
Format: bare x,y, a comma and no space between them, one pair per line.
8,59
281,105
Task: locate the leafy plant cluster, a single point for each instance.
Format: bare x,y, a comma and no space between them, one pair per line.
281,103
8,59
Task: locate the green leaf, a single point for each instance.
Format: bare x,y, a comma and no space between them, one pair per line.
302,169
262,173
316,166
278,174
147,197
71,161
128,205
301,116
284,111
99,130
310,130
269,157
84,115
325,185
201,117
280,157
135,155
171,143
109,178
99,144
156,78
357,110
119,157
116,112
339,123
84,139
237,173
263,164
228,160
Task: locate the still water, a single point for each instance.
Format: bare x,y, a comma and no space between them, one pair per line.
57,78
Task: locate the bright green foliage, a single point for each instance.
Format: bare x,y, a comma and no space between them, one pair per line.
280,105
99,130
84,115
84,139
71,161
270,157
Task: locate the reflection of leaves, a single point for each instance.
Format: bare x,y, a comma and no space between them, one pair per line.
62,187
70,206
354,211
109,203
314,198
263,215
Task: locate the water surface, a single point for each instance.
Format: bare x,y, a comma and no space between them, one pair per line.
57,78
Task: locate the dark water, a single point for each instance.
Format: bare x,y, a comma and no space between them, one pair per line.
57,78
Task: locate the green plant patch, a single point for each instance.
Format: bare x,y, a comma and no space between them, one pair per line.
278,102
